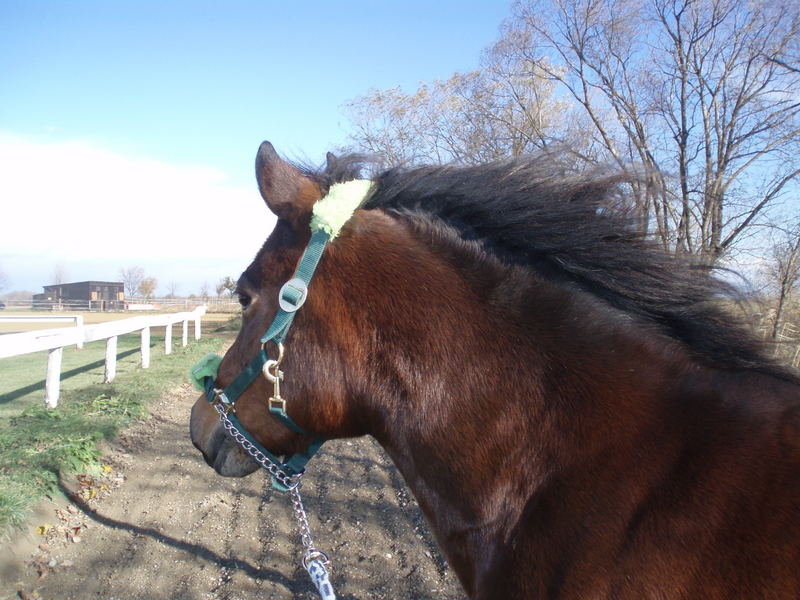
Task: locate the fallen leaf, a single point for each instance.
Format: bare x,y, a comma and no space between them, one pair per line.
107,469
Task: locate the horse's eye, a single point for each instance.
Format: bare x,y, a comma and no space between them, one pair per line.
244,299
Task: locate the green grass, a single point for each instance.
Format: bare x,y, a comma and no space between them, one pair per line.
22,377
38,445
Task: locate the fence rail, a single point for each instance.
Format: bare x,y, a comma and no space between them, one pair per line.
212,304
76,319
55,340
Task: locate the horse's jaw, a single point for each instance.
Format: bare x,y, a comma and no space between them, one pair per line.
219,449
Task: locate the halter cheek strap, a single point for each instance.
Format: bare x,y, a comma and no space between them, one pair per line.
328,217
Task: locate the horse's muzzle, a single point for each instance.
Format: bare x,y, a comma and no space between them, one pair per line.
219,450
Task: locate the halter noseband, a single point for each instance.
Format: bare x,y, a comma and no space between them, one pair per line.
328,217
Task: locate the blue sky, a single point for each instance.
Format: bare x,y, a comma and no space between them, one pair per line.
128,129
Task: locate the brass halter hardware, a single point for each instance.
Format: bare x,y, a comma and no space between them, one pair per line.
272,372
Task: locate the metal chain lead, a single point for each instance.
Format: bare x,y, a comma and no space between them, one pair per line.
287,481
302,520
314,561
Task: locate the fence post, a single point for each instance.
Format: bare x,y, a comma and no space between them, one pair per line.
79,325
55,340
145,347
168,339
111,360
53,380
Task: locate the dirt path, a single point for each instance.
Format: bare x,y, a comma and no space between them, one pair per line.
161,525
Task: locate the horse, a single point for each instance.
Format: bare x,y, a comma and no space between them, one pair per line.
576,410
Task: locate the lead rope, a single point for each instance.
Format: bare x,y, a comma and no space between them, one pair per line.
314,561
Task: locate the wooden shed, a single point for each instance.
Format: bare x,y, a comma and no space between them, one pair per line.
82,295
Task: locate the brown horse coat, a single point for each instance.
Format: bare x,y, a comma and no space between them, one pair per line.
575,414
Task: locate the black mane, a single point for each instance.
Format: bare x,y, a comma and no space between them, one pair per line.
577,229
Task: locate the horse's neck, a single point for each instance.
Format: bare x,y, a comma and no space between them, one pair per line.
502,409
537,427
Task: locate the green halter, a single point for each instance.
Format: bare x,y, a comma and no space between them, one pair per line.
328,217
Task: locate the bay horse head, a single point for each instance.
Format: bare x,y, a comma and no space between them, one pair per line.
574,408
291,195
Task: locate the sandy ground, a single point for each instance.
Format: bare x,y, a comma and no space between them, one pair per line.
161,524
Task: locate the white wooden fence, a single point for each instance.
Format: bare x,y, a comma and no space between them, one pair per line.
77,319
54,341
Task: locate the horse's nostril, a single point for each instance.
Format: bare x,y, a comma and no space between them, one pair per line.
208,460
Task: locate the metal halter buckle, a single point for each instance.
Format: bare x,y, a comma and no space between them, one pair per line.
293,295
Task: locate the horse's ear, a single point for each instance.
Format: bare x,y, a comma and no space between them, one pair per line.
330,160
287,192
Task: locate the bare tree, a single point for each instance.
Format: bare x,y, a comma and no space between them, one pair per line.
695,93
492,113
132,278
784,272
698,102
59,274
226,284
